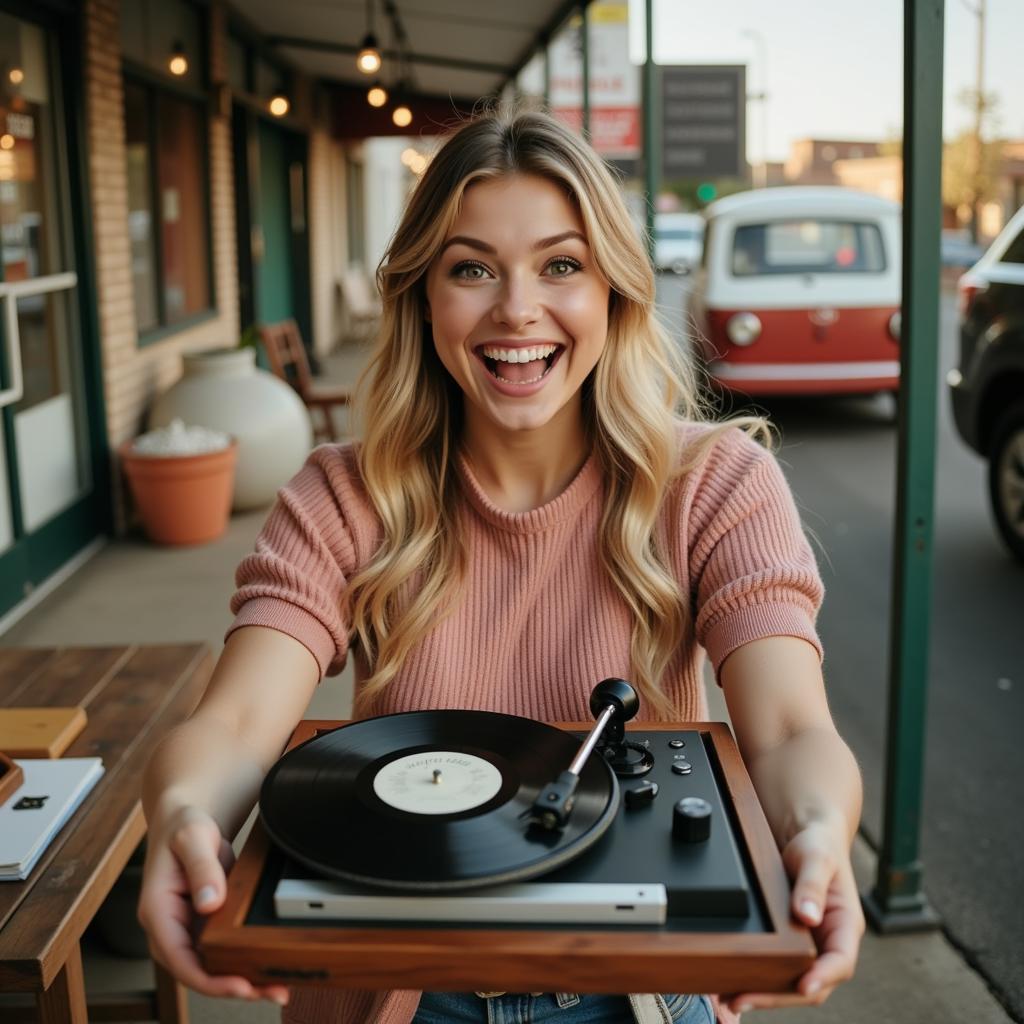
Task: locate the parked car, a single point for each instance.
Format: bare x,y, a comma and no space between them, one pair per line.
957,250
987,389
799,292
678,240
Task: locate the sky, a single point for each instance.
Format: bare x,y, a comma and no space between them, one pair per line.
834,67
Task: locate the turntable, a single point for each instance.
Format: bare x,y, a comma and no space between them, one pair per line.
469,850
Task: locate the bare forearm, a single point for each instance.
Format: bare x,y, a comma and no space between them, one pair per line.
811,777
201,764
216,761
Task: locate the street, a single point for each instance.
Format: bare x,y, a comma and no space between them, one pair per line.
840,458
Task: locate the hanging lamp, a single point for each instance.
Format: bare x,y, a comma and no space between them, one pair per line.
368,60
177,63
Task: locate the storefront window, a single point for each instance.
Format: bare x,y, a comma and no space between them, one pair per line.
141,226
167,215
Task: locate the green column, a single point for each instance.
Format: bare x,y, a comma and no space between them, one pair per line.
547,73
652,152
897,902
585,50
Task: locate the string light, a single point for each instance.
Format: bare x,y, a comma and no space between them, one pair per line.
402,116
377,95
178,62
279,105
368,61
16,76
414,160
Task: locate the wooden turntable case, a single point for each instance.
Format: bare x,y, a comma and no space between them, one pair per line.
526,959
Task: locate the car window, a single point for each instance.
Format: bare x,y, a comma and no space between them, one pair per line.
1015,251
807,246
677,234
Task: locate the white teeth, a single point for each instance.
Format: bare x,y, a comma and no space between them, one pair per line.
533,380
518,355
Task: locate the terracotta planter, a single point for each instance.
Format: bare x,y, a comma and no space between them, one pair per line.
182,499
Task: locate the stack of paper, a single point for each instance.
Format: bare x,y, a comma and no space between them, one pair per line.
35,812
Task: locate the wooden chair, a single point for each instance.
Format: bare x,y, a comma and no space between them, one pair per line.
287,357
360,303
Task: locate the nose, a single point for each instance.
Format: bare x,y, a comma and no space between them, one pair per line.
516,304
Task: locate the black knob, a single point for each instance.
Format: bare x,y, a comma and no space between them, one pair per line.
691,820
619,694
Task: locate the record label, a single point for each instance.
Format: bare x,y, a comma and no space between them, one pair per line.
437,782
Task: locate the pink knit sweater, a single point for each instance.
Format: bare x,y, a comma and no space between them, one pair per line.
538,623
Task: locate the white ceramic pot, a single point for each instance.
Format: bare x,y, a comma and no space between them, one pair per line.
224,390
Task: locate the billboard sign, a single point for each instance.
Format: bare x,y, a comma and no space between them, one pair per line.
703,117
614,81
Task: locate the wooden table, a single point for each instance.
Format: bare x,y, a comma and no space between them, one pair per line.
132,696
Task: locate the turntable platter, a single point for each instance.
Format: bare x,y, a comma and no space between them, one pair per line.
432,801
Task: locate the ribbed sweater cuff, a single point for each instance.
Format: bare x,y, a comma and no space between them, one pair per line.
288,618
756,622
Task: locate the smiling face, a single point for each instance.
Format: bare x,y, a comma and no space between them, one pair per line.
517,306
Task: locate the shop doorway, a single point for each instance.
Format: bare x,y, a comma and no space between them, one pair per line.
51,506
273,236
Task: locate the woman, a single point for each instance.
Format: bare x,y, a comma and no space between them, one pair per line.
535,505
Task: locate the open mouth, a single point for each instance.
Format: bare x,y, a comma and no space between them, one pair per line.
520,365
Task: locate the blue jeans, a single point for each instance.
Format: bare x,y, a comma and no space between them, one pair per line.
560,1008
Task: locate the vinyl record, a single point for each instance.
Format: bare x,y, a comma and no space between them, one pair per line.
432,801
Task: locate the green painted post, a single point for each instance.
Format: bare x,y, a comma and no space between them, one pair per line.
897,902
651,141
585,52
547,73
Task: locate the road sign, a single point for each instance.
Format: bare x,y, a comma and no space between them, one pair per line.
703,121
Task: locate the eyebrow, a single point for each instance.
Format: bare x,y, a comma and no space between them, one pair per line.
544,243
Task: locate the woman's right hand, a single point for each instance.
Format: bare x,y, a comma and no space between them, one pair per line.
185,877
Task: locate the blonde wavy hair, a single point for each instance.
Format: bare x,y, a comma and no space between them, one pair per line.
632,404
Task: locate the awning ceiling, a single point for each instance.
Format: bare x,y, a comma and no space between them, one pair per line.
462,48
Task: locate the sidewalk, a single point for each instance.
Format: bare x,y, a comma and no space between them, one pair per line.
134,592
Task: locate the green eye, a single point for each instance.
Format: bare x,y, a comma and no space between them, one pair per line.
563,266
462,270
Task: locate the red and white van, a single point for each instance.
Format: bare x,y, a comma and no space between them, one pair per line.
799,292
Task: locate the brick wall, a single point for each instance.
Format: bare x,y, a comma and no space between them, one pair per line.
134,375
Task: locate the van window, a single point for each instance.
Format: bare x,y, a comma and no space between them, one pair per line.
807,246
1014,251
677,234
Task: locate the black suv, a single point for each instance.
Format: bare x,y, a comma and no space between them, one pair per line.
988,388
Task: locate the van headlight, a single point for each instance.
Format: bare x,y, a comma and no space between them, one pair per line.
895,323
743,328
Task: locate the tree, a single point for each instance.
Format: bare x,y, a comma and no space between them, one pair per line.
970,165
969,178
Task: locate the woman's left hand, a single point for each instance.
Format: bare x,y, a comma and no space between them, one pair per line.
825,898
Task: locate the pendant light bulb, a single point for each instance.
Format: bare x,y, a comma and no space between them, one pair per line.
278,104
377,95
369,60
177,63
402,116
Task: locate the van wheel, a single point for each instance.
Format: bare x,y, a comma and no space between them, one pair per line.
1006,478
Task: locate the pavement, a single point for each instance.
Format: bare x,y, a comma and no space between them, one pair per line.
131,591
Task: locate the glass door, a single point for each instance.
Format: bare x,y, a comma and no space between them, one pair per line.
47,506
